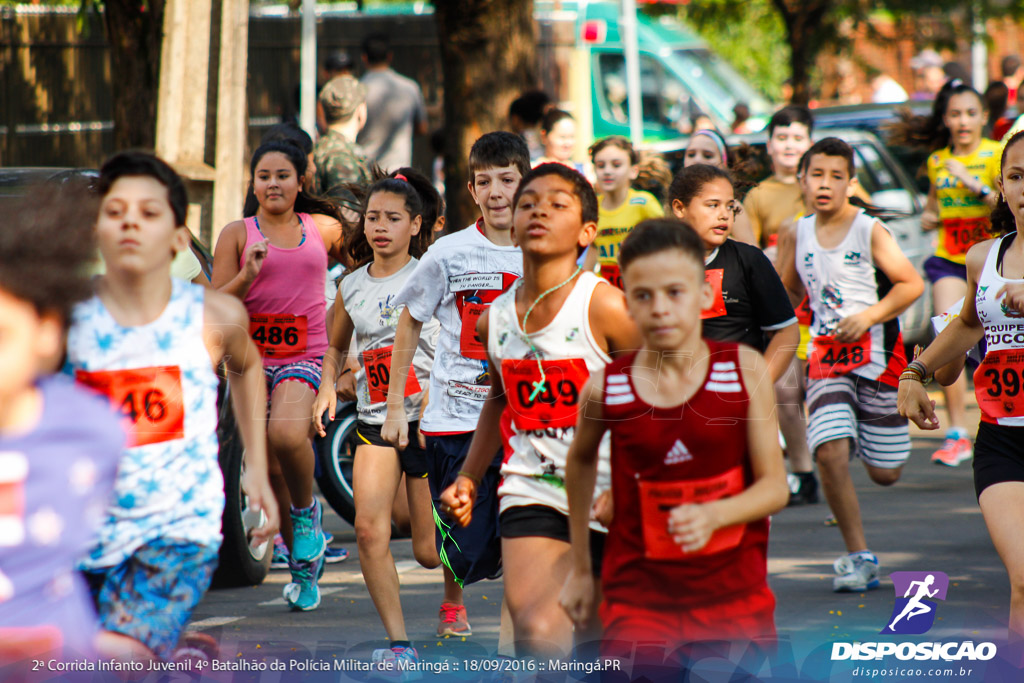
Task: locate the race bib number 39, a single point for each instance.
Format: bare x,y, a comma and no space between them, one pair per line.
960,234
831,358
998,383
714,279
658,498
279,336
149,400
555,404
377,363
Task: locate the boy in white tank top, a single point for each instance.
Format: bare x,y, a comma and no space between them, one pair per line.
544,338
150,344
858,282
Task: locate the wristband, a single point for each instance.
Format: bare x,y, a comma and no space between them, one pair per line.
911,376
472,477
345,371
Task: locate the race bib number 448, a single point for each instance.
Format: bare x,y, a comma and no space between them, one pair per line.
831,358
149,400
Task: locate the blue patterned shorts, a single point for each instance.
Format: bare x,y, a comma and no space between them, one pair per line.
306,371
151,595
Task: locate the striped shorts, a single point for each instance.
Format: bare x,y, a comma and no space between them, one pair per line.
851,407
306,371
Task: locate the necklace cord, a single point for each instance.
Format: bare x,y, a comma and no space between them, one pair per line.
539,386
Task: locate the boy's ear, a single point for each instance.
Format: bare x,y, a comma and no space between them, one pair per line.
50,340
182,238
587,234
707,299
472,191
851,189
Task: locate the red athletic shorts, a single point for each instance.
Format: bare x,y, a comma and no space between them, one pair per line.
749,616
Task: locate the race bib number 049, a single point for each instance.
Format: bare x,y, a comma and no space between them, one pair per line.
377,363
658,498
148,399
279,336
555,404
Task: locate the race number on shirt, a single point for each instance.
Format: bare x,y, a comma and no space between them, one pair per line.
960,234
998,382
611,273
658,498
556,403
470,344
279,336
149,400
831,358
714,278
377,363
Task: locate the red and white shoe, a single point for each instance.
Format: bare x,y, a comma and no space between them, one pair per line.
953,452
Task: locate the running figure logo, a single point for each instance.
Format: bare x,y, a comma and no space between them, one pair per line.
914,612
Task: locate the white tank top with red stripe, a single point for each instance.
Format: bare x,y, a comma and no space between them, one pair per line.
999,380
544,422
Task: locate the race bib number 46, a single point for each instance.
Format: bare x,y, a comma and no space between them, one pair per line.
279,336
831,358
998,382
552,406
149,400
658,498
377,363
960,234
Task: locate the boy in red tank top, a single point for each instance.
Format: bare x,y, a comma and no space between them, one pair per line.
686,553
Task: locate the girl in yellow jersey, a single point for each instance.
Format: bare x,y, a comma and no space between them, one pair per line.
963,171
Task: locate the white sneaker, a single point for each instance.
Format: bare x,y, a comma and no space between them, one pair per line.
855,572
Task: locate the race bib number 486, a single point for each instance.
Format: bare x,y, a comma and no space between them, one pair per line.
149,400
279,336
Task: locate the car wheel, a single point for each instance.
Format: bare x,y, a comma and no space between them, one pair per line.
336,453
240,564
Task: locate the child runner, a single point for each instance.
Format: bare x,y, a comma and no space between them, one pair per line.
774,206
547,334
858,282
749,303
962,171
455,281
385,250
151,344
276,263
620,207
696,465
707,146
59,446
992,311
558,135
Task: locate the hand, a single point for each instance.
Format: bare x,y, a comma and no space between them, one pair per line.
958,169
691,526
602,511
930,220
913,403
1014,296
346,387
257,489
325,400
395,429
577,596
852,327
421,437
457,500
255,255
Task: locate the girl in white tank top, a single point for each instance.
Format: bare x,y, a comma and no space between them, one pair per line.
397,223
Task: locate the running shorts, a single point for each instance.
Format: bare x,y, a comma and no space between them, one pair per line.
998,455
413,459
937,268
522,521
306,371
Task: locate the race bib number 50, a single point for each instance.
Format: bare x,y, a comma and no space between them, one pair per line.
148,399
377,363
554,405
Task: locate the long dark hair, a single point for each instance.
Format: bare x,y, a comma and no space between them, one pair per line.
688,182
1002,219
421,199
305,202
930,131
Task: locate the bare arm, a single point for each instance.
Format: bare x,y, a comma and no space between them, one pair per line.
907,286
781,349
580,479
930,215
613,328
786,265
333,234
396,423
335,359
692,525
226,329
228,277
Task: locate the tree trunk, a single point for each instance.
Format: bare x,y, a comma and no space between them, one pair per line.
135,31
488,52
807,33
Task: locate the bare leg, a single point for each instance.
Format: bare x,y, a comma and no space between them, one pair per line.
789,396
421,521
1003,508
288,442
834,468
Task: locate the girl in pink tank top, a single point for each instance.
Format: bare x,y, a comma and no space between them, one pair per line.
276,263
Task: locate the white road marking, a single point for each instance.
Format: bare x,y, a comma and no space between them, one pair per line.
211,622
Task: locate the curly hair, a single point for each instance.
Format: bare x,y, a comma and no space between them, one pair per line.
1002,219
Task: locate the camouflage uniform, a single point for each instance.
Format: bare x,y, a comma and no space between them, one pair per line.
338,162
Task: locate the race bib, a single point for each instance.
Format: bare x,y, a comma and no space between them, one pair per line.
831,358
960,234
470,344
804,314
658,498
714,278
611,273
555,405
149,400
998,383
377,363
279,336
